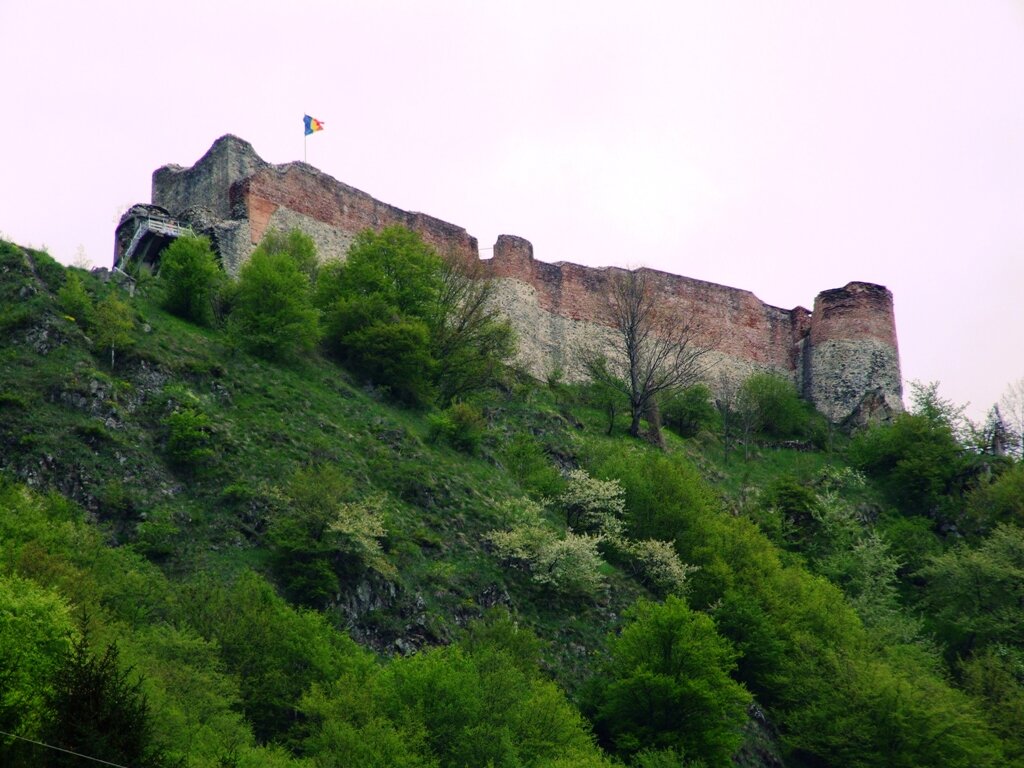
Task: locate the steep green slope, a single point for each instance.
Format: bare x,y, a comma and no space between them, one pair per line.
230,523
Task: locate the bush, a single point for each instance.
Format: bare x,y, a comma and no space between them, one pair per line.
321,533
779,411
188,429
75,300
657,565
189,436
592,505
190,277
460,425
570,564
528,462
690,411
915,461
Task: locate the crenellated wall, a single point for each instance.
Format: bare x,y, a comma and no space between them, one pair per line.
838,355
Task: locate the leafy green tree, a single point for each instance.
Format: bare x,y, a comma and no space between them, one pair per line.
999,501
449,707
75,300
275,652
471,340
402,317
321,532
975,594
190,277
35,635
915,460
995,677
296,245
667,685
97,709
273,314
114,323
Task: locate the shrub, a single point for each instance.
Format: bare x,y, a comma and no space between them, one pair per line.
657,565
690,411
593,505
189,436
460,425
528,462
75,300
570,564
320,533
779,411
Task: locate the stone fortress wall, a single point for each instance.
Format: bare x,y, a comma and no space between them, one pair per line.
843,356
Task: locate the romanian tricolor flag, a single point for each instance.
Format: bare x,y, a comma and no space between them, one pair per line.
312,124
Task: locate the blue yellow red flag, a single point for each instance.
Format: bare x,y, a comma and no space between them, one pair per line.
312,124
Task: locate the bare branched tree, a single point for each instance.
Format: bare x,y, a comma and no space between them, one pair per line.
655,354
1011,408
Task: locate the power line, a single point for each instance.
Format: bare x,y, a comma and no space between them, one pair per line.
61,749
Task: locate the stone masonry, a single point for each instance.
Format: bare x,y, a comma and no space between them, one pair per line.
841,356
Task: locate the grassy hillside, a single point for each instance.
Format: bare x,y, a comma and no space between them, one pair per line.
302,572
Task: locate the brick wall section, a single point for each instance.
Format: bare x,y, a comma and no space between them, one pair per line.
302,189
855,311
732,320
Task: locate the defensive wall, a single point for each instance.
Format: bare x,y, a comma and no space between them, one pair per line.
843,355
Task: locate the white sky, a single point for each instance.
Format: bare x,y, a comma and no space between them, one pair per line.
784,147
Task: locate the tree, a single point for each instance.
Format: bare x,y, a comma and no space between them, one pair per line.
35,633
114,325
654,354
472,341
689,411
667,685
97,709
75,300
273,314
321,533
1011,406
190,276
976,594
403,317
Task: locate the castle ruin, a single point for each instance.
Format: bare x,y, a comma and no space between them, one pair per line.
842,356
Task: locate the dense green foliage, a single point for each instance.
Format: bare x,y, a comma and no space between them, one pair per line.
404,318
191,278
667,686
294,573
272,309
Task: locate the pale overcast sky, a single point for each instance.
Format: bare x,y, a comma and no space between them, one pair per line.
785,147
